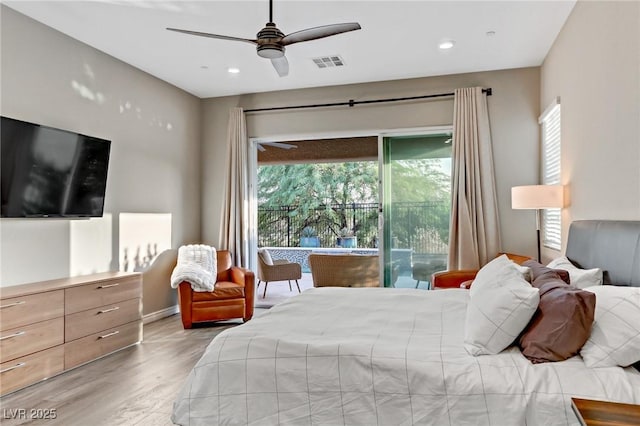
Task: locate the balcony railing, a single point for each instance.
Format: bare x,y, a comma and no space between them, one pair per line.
420,226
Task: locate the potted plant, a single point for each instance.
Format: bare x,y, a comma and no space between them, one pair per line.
309,237
346,239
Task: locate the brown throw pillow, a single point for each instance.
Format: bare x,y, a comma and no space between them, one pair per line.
539,270
562,322
563,274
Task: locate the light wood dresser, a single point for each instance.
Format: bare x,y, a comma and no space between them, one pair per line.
52,326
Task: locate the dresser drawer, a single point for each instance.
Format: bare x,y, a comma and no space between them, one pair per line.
24,371
21,341
19,311
101,293
96,345
94,320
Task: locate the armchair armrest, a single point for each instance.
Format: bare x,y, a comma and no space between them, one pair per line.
184,299
451,279
242,276
518,258
284,271
247,278
462,278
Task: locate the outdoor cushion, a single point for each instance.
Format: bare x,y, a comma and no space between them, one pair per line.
265,256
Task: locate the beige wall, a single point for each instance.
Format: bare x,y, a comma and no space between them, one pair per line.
51,79
159,132
594,66
513,109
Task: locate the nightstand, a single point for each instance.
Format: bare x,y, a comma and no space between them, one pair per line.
600,413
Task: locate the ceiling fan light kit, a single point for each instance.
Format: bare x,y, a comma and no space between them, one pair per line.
270,41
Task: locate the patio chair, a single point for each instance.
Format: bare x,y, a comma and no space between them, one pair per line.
422,270
276,270
344,270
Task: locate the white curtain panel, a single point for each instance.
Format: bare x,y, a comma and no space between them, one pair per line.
474,233
235,226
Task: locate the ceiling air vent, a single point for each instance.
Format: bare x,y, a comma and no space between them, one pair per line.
329,61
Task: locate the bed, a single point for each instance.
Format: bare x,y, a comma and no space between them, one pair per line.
371,356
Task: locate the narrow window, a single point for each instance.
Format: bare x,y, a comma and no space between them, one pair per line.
551,220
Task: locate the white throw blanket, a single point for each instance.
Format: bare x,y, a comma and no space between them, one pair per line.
196,265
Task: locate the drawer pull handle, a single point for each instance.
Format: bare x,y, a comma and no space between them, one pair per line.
18,365
104,311
22,302
108,285
19,333
113,333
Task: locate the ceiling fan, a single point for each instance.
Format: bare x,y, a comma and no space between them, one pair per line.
270,41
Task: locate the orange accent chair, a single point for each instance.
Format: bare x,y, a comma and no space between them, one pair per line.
232,296
464,277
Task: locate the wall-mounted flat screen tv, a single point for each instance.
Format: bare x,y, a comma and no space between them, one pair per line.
47,172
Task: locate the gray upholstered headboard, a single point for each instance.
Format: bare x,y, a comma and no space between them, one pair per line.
611,245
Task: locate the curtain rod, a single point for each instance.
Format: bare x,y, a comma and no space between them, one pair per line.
352,103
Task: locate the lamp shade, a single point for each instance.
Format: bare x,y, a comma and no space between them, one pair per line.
537,197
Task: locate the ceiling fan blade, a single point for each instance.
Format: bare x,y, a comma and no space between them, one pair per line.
279,145
281,65
221,37
319,32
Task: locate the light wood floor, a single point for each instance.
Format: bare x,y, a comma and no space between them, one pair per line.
135,386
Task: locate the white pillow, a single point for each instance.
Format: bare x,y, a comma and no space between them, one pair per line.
500,307
581,278
500,268
615,335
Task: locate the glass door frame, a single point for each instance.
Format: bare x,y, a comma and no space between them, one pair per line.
382,241
252,201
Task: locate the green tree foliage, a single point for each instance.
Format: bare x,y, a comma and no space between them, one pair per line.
421,181
308,186
319,195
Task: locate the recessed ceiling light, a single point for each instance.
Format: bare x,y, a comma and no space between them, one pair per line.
491,33
447,44
204,67
233,70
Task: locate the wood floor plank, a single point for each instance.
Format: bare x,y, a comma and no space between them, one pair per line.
136,386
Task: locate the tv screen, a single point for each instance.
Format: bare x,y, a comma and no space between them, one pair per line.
47,172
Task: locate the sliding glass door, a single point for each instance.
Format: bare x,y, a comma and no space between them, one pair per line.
416,200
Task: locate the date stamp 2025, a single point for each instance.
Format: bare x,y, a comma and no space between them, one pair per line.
29,413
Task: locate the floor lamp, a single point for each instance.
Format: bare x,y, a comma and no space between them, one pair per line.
537,197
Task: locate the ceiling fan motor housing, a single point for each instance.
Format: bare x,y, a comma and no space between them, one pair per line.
269,42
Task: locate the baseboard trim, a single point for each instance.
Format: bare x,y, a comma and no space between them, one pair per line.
158,315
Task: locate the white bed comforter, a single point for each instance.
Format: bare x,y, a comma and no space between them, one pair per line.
370,356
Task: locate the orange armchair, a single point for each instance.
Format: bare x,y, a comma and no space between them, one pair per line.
463,278
232,296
